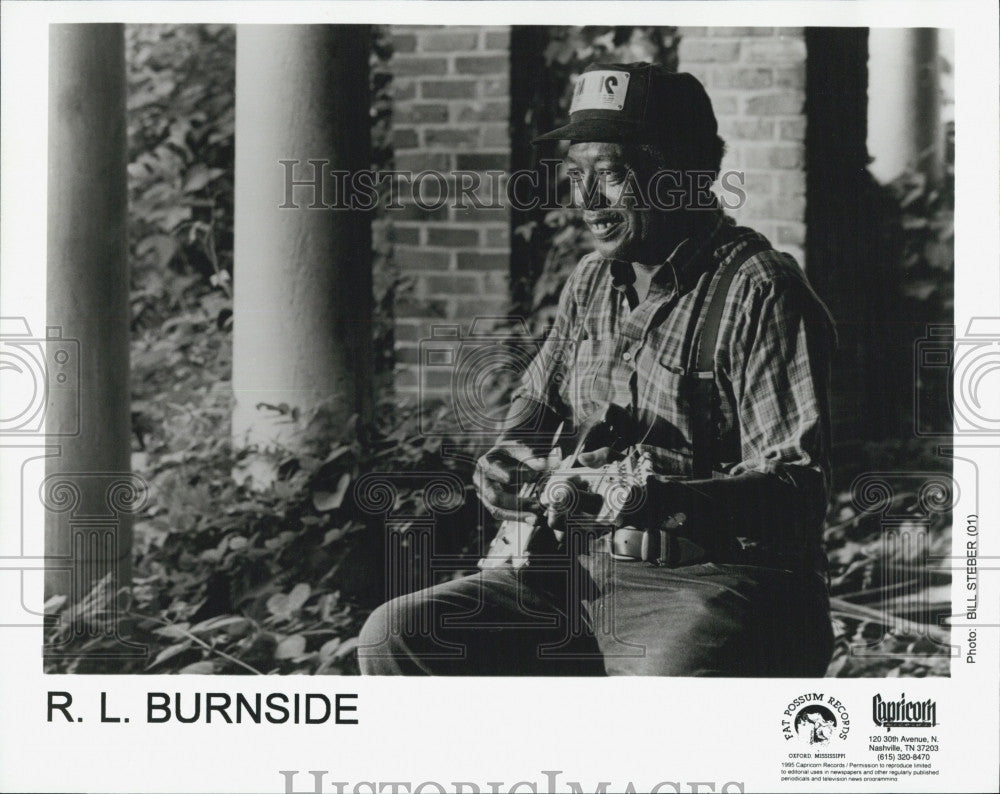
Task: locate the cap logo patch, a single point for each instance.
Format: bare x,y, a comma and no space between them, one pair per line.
600,90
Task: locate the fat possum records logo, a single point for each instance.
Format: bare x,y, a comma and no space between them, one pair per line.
903,713
816,719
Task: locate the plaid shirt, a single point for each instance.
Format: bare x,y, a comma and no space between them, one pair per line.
771,363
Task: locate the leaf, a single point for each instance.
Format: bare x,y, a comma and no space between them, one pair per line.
164,245
199,176
331,500
328,648
235,623
173,632
290,647
54,604
278,604
237,542
299,595
169,653
204,667
345,649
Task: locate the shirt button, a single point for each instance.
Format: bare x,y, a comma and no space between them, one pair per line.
627,356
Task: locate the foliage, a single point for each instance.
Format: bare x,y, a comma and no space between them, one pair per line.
227,575
887,594
230,577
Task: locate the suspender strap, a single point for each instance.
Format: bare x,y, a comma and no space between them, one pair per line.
701,392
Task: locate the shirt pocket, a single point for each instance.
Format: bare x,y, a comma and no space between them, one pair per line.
666,411
589,384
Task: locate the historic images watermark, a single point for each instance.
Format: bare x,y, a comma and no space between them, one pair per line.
314,184
317,782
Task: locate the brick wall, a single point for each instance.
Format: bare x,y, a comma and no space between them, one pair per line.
451,111
756,79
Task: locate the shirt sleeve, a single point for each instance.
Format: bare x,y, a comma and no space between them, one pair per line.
779,346
780,372
542,380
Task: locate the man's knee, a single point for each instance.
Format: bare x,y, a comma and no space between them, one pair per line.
375,651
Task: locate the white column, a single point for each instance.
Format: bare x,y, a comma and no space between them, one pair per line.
302,280
904,101
89,490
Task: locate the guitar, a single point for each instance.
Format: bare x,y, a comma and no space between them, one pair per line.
617,483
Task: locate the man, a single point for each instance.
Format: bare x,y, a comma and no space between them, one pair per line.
719,570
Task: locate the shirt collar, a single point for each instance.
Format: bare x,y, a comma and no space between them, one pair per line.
691,257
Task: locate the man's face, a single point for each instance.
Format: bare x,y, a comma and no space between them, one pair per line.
604,183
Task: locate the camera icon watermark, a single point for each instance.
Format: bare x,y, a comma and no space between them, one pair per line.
31,369
470,375
965,371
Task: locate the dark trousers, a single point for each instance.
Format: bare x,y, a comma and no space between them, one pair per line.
599,615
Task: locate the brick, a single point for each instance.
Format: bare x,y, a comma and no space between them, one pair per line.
405,235
411,212
791,77
472,307
792,234
482,111
437,378
739,77
452,236
405,379
405,138
404,43
453,284
407,354
418,65
495,282
785,208
481,64
413,306
791,183
724,104
482,161
450,136
407,331
448,42
787,104
747,129
474,215
793,130
412,257
448,89
417,113
757,183
700,73
708,51
477,260
403,90
497,39
496,136
498,237
773,156
775,51
495,87
423,161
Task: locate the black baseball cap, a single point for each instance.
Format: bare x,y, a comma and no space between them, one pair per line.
637,103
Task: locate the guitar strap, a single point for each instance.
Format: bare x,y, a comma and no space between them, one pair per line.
701,386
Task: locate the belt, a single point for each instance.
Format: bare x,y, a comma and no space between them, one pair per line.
658,546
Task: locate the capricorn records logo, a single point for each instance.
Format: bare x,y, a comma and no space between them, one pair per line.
815,718
904,713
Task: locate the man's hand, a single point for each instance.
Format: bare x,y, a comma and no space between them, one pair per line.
501,473
577,491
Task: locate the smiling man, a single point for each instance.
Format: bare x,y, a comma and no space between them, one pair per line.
717,350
